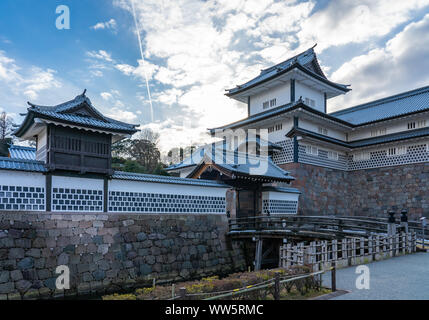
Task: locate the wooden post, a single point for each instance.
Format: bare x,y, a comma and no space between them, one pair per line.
288,255
409,242
362,248
344,248
353,251
377,247
182,293
370,247
258,254
334,251
397,242
277,286
404,242
333,279
391,246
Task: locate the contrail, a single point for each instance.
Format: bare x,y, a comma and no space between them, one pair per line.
143,63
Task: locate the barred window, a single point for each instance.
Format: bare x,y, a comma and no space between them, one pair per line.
361,156
333,155
312,150
323,131
265,104
273,102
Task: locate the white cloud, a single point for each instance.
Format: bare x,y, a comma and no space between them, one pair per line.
100,55
355,21
203,47
106,96
384,71
122,115
111,24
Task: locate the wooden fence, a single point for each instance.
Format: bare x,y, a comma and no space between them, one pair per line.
346,252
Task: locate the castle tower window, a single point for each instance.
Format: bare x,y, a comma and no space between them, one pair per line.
279,126
266,105
323,131
361,156
378,132
333,155
270,129
411,125
273,102
421,123
310,102
312,150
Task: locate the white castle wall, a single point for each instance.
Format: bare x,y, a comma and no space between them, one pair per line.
22,191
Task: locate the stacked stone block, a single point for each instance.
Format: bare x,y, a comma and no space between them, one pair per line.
109,252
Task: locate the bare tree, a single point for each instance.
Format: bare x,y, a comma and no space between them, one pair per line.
6,125
149,135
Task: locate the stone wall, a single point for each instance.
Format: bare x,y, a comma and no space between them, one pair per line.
109,252
368,192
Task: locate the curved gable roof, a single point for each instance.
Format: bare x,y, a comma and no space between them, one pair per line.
413,101
78,111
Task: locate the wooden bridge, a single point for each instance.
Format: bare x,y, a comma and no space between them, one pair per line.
268,233
312,227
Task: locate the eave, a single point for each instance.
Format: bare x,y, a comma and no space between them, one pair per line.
394,137
242,88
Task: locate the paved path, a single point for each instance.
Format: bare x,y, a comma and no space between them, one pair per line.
404,277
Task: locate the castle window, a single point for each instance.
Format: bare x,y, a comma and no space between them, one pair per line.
361,156
323,131
391,152
333,155
273,102
421,123
279,127
411,125
266,105
310,102
270,129
378,132
312,150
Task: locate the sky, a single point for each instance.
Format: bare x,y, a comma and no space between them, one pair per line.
193,50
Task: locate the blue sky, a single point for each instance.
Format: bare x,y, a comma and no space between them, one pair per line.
194,50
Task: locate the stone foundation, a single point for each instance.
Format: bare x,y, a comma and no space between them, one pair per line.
368,192
109,252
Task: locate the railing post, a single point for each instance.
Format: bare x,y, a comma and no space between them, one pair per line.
258,254
334,278
182,293
334,250
370,247
277,286
391,227
404,220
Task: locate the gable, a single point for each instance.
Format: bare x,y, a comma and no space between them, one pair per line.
84,110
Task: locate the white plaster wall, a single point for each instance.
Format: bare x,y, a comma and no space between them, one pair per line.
395,127
77,183
42,139
272,195
20,178
281,93
309,125
307,92
280,135
165,188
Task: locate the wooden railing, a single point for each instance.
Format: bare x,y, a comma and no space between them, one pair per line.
346,252
323,225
